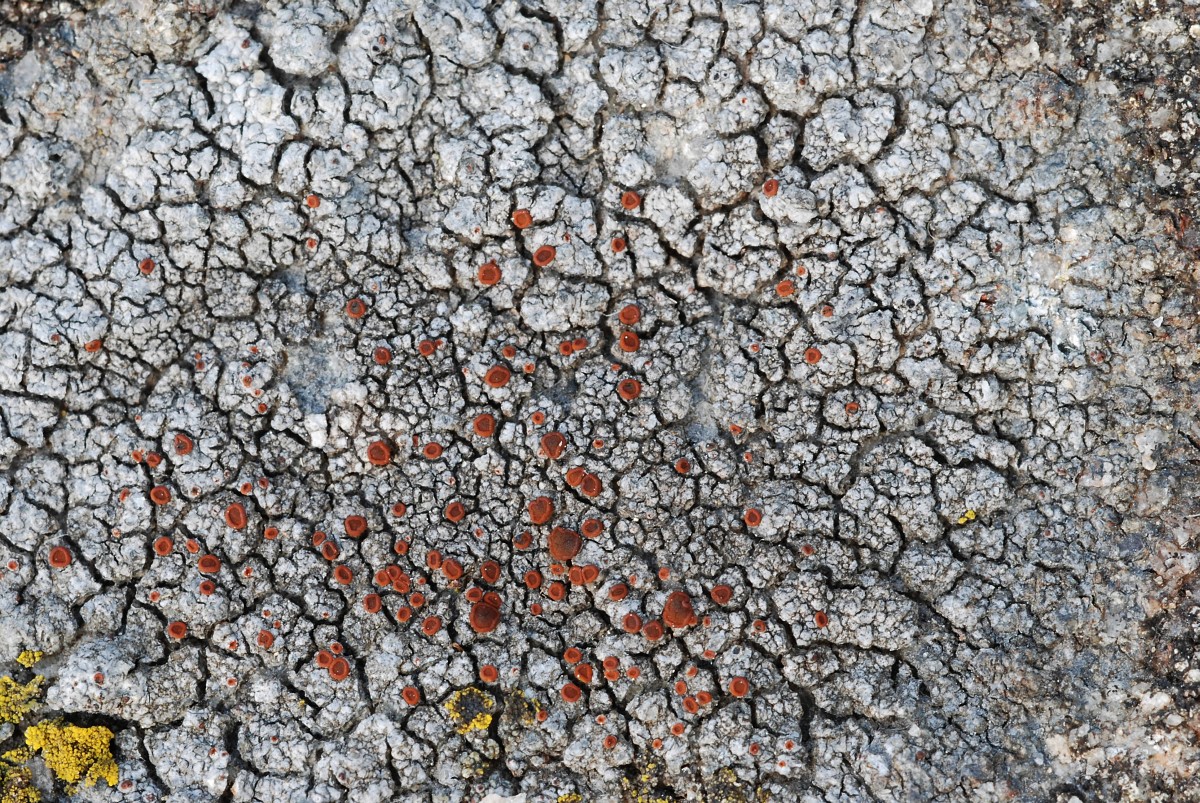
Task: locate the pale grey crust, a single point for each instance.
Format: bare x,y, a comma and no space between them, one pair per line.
993,200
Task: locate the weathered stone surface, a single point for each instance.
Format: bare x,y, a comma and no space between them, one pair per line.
869,330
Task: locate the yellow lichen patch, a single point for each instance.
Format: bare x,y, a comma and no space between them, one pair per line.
642,790
523,708
16,785
28,658
726,788
73,753
16,779
16,699
570,797
966,517
471,709
17,755
475,765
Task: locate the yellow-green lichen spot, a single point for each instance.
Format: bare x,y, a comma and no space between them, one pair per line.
471,709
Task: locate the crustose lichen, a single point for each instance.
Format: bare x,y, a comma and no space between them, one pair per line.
470,709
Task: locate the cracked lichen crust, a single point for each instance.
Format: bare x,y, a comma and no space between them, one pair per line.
544,400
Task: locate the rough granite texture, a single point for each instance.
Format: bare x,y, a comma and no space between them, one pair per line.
903,504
